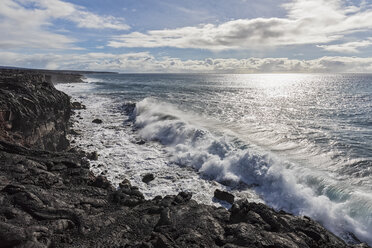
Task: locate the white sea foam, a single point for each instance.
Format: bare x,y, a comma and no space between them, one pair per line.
90,79
280,183
121,157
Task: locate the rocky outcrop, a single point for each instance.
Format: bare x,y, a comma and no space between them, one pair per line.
52,199
97,121
32,112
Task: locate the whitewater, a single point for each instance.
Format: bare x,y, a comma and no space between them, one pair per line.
297,142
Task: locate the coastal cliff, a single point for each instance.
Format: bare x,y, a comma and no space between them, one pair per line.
50,198
32,112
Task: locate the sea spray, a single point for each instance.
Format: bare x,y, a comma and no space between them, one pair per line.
281,184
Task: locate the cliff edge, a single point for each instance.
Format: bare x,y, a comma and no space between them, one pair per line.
32,112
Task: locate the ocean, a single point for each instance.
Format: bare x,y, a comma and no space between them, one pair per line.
297,142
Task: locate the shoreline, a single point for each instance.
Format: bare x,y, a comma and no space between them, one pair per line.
50,198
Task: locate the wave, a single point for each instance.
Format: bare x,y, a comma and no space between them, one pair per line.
282,184
91,79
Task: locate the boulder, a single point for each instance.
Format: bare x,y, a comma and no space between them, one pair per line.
148,178
97,121
141,142
77,106
224,196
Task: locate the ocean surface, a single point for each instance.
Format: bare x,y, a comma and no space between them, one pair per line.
297,142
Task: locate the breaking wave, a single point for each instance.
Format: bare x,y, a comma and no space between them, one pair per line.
216,155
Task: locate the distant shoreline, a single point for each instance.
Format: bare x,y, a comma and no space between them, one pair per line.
82,72
54,71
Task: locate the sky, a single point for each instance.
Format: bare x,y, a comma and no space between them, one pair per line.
197,36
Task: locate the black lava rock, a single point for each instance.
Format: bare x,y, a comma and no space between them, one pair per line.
224,196
32,112
92,155
148,178
97,121
77,106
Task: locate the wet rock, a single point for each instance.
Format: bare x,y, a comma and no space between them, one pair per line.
141,142
148,178
92,155
125,184
77,106
224,196
183,197
73,132
97,121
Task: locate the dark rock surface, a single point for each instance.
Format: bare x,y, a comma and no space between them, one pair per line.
92,155
32,112
52,199
77,106
224,196
141,142
73,132
148,178
97,121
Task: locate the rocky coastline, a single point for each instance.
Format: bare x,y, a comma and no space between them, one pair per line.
50,198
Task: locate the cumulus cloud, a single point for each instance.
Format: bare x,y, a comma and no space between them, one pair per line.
145,62
307,22
26,23
349,47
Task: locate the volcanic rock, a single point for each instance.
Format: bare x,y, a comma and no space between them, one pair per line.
97,121
77,106
224,196
148,178
92,155
73,132
141,142
32,112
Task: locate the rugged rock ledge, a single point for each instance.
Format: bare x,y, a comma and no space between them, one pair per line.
32,112
51,199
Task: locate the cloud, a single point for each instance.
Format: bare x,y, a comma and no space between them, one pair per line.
145,62
27,23
58,9
349,47
307,22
